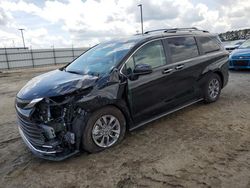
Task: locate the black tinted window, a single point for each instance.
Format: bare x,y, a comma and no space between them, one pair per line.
182,48
209,44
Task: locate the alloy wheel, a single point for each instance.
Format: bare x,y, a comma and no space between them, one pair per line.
106,131
214,88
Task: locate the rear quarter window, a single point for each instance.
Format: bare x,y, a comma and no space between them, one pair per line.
209,44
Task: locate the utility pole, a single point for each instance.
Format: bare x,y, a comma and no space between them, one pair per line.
140,5
22,37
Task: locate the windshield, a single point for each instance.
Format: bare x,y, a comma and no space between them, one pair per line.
246,44
100,59
233,43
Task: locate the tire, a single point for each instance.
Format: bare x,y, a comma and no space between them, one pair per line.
212,88
99,126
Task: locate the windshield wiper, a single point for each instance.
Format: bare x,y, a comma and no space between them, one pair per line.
74,72
94,74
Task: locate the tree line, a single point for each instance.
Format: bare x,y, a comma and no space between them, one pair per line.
235,35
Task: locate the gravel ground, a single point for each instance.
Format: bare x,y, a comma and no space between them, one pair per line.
199,146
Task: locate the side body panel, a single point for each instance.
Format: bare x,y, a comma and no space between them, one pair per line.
180,87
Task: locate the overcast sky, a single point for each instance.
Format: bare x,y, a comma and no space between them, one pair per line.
63,23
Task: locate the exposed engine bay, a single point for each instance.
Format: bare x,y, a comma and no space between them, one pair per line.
58,120
55,117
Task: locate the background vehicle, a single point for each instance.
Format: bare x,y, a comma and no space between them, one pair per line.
240,58
232,45
118,86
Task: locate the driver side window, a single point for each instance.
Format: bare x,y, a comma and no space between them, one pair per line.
151,54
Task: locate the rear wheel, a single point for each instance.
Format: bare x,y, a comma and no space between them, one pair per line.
212,89
105,128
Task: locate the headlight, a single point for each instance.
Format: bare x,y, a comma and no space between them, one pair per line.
33,102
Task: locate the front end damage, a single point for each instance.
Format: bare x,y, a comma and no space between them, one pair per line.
51,127
52,114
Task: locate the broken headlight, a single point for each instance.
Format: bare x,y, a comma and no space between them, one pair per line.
33,103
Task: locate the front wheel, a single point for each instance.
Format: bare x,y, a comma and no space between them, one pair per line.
212,89
105,128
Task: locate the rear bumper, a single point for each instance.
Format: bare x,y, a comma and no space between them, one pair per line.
225,74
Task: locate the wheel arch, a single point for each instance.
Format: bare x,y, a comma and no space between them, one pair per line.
219,73
121,105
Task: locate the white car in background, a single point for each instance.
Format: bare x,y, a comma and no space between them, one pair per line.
232,45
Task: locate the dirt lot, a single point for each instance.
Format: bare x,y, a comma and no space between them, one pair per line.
200,146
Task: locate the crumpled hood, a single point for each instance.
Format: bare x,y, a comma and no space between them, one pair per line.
241,52
55,83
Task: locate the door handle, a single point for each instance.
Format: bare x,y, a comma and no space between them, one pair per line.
166,71
178,67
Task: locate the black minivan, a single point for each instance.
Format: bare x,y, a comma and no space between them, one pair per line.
118,86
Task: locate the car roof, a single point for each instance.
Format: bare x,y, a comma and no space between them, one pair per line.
161,33
140,39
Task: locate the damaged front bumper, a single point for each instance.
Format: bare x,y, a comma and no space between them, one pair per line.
33,136
52,155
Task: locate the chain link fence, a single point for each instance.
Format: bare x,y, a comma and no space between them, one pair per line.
13,58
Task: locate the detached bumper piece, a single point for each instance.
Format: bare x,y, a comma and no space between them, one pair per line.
33,136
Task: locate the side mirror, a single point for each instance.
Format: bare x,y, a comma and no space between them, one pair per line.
142,69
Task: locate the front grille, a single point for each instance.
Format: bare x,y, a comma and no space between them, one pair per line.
240,63
32,132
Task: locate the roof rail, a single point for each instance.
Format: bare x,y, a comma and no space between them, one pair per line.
156,30
183,29
174,30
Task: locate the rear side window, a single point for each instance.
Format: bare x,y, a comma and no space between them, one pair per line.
209,44
182,48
